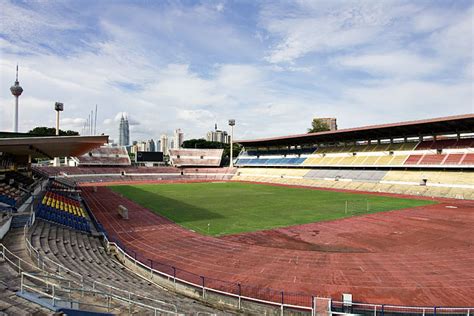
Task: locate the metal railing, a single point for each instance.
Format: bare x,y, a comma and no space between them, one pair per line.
204,289
280,299
82,288
277,298
41,260
387,309
57,292
129,299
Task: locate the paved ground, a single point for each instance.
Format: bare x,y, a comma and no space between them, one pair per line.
419,256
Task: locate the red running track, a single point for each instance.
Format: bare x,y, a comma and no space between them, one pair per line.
418,256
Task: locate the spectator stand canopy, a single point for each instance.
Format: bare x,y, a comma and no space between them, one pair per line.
50,146
459,124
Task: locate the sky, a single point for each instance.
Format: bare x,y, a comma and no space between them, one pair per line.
270,65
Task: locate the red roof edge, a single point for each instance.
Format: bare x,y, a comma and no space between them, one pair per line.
363,128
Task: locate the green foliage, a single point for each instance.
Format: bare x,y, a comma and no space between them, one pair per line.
202,143
50,131
318,126
229,208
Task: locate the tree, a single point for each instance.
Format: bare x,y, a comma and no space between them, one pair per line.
202,143
318,125
50,131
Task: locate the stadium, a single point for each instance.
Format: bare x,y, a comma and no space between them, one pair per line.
362,221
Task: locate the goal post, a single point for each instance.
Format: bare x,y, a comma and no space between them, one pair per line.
355,207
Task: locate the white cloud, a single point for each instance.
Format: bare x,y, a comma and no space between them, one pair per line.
394,64
319,27
456,40
77,122
220,7
189,67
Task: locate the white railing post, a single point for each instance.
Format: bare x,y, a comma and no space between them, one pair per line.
19,265
21,286
53,295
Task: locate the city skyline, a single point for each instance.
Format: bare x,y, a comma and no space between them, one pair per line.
271,66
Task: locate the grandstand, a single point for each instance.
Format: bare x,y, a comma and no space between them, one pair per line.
104,156
65,234
135,174
430,157
196,157
53,258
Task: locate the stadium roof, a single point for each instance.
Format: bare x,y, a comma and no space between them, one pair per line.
429,127
51,146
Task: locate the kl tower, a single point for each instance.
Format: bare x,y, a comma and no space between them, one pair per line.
16,90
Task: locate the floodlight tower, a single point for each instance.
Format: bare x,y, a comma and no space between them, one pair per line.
231,124
58,107
16,90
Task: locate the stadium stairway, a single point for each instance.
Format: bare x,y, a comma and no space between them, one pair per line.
10,303
19,220
86,255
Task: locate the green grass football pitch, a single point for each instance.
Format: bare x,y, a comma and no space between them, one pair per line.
227,208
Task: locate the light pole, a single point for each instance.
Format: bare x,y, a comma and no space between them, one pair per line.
231,124
58,107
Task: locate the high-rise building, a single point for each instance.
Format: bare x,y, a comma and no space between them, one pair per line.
158,145
16,90
164,144
150,145
217,136
330,121
124,131
178,138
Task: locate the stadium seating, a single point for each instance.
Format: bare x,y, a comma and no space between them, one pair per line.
63,210
25,181
455,184
446,144
441,159
76,175
86,255
425,153
104,156
281,152
270,161
10,195
196,157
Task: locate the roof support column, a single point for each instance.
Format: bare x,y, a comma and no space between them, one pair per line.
28,168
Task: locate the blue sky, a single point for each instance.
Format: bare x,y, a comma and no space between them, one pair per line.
271,65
